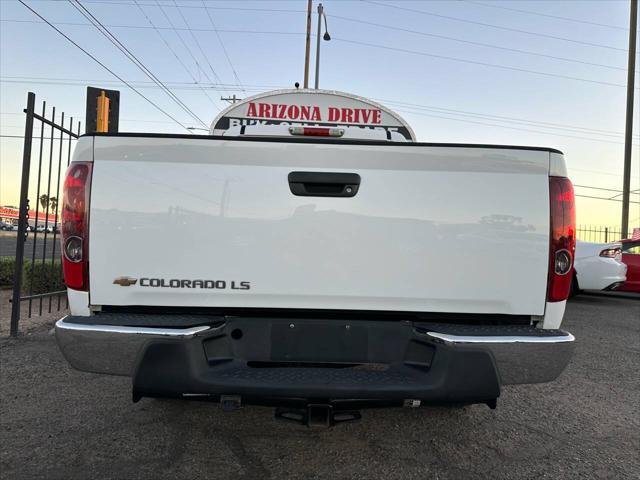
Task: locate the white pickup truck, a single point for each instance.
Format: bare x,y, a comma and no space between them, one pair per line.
316,273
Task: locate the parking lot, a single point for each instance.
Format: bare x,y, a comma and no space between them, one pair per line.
8,244
60,423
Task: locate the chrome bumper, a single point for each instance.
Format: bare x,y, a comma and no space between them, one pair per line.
109,349
116,350
520,359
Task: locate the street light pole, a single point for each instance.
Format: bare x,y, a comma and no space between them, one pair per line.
325,37
631,67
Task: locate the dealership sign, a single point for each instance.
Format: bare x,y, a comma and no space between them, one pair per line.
310,107
13,213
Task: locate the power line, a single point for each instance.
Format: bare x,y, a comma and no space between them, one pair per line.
172,28
174,53
195,39
631,192
187,48
596,171
504,126
511,128
603,198
137,62
485,64
147,85
396,103
102,65
498,27
138,120
505,118
224,49
13,136
397,49
348,19
598,188
241,9
480,44
142,83
539,14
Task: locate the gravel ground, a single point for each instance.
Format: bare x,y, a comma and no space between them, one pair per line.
38,321
59,423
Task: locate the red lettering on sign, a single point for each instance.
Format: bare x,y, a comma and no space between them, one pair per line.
286,111
293,112
347,115
334,114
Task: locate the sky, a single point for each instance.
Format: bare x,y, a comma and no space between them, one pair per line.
540,73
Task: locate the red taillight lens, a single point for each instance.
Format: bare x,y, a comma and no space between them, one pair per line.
611,252
563,238
75,225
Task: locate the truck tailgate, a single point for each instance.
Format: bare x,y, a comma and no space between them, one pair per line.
213,223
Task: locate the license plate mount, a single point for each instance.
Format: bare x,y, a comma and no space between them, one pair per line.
322,341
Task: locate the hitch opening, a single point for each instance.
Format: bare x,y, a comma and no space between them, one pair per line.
317,415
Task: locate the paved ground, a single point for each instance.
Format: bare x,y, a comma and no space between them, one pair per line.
61,424
8,244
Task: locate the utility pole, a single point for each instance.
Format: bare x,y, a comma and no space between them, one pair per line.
308,45
232,99
628,133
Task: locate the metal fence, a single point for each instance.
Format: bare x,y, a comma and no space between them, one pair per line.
598,234
50,151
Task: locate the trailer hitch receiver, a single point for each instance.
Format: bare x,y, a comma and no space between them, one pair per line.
317,415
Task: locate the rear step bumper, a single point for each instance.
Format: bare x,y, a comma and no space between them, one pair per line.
269,359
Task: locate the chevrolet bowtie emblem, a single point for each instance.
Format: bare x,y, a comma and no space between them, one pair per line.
125,281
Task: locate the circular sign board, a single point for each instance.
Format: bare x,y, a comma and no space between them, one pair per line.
312,108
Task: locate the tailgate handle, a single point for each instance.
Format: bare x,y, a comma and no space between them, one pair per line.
324,184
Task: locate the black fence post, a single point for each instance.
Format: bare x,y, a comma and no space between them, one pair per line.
22,217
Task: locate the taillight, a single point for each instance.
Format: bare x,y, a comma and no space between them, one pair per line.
317,131
75,225
611,252
563,238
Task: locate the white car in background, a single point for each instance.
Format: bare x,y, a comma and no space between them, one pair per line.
598,266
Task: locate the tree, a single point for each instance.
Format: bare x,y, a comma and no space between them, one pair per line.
44,201
53,202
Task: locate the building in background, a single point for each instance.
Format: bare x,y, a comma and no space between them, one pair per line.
9,214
